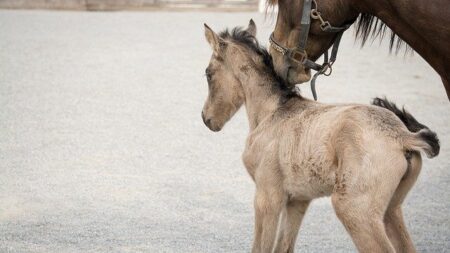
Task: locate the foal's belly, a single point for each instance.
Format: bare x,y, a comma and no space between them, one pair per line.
304,181
302,155
307,165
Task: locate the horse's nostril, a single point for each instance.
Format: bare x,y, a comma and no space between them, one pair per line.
206,121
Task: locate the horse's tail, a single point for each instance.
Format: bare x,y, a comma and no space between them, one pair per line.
422,139
425,140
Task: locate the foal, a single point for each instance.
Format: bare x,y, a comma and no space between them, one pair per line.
297,150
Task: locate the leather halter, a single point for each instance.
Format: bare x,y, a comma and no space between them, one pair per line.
299,55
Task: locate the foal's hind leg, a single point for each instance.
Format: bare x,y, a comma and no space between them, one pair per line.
364,225
393,219
361,203
292,219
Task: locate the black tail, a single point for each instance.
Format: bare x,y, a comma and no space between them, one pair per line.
411,123
431,138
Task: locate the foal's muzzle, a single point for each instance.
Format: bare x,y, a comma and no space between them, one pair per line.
206,121
208,124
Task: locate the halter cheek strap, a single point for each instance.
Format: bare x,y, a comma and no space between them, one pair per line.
305,23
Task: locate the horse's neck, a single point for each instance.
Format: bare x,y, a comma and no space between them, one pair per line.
339,12
414,30
260,98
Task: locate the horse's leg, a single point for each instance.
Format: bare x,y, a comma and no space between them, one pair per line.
396,230
258,228
364,225
393,218
282,225
269,202
292,219
360,202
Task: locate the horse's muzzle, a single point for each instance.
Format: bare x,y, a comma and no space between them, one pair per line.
207,123
299,75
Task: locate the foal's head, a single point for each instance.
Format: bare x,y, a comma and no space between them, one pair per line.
230,55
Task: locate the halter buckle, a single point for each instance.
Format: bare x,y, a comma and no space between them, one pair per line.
325,26
299,56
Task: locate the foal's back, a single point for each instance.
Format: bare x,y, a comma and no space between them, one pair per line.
309,141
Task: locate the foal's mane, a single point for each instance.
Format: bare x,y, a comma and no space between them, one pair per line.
242,37
368,26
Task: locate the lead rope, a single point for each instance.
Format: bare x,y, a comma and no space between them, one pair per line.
327,63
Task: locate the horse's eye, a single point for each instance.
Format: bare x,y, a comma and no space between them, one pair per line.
208,75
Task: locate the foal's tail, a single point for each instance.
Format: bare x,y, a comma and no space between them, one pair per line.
422,139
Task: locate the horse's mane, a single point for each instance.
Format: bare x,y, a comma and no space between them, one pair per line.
369,26
242,37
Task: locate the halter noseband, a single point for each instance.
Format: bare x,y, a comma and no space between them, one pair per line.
299,55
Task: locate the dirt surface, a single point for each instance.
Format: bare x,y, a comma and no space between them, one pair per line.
102,148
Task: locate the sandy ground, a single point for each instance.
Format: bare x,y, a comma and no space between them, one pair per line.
102,148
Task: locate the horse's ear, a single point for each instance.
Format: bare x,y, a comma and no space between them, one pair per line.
251,28
212,39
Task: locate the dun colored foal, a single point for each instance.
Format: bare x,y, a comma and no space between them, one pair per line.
365,157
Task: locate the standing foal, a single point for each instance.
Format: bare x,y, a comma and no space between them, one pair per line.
297,150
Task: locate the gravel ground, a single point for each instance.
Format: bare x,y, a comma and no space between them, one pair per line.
102,148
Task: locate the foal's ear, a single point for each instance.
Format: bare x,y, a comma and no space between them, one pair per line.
251,28
212,39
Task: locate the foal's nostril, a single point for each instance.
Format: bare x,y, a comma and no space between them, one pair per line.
206,121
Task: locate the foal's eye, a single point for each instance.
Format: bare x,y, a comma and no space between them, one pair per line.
208,75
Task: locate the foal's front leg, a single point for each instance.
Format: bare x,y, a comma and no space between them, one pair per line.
268,206
292,219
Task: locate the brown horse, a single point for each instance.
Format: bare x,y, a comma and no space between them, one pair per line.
424,25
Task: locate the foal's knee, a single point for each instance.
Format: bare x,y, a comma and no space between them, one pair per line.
268,203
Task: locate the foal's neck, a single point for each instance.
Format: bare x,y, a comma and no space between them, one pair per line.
261,99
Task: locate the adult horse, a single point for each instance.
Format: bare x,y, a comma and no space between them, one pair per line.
306,29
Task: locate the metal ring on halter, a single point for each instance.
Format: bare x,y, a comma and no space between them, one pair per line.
315,14
327,67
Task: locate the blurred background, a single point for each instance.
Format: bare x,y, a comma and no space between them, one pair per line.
109,5
102,147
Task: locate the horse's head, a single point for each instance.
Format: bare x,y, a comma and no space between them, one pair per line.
287,52
225,92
